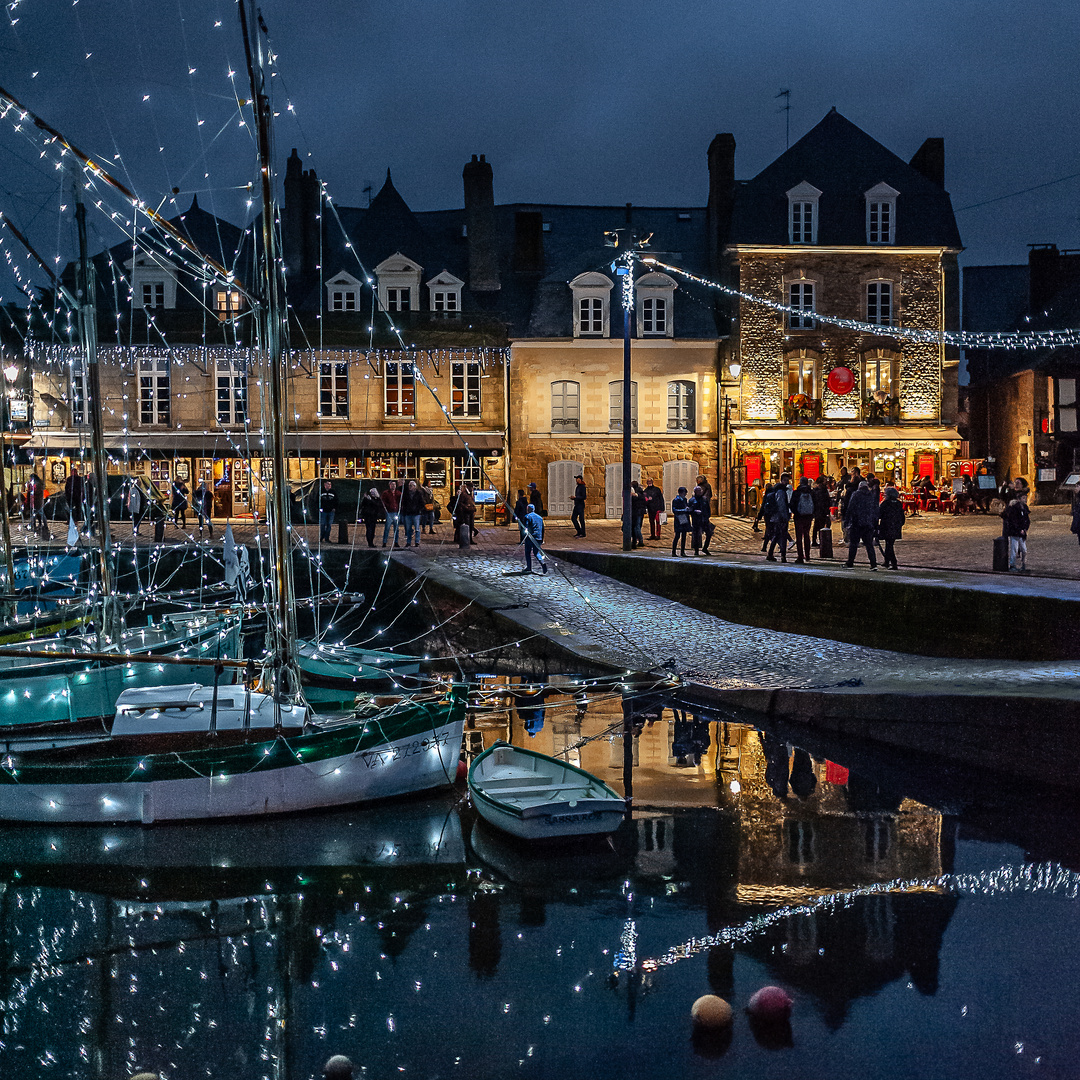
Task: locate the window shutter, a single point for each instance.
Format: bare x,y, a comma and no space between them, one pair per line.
679,474
561,484
613,487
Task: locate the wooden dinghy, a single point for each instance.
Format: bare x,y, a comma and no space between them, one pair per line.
536,797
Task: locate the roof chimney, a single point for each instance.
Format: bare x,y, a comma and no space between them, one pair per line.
1044,276
480,225
721,157
929,159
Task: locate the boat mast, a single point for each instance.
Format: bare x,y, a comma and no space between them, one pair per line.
282,621
95,406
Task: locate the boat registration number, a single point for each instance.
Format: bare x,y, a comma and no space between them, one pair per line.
388,754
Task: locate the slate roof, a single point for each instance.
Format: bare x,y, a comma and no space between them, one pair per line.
843,162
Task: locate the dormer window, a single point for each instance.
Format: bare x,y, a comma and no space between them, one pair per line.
803,214
655,293
592,305
881,214
227,304
444,292
343,293
399,283
153,282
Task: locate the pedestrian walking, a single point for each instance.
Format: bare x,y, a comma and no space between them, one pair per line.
890,525
136,503
464,511
35,502
577,518
1017,521
768,505
391,500
73,491
847,488
779,518
427,515
707,527
681,520
412,506
533,495
534,539
862,516
822,508
521,509
638,507
179,503
656,507
802,506
204,505
327,510
371,506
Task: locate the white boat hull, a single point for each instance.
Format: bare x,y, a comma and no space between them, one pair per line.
558,821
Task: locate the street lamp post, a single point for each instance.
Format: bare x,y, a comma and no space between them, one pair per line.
626,273
734,369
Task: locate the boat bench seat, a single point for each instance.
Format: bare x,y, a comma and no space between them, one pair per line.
539,789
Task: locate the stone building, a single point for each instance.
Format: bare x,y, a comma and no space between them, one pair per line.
837,225
1022,403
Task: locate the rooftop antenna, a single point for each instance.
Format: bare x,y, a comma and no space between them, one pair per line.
786,110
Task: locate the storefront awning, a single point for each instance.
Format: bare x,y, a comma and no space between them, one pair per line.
905,435
227,444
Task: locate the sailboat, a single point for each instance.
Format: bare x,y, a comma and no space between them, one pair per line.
189,752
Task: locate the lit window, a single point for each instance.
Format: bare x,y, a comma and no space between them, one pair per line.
154,390
333,388
565,406
680,406
153,294
615,421
400,389
464,388
879,373
226,303
232,400
802,376
801,302
879,303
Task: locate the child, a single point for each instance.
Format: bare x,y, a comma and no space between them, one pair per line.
1017,520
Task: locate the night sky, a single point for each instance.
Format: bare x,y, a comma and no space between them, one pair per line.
577,101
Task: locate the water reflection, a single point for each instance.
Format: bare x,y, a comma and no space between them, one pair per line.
415,939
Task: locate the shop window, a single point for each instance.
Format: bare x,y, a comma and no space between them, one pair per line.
925,464
400,389
232,394
154,390
333,388
810,464
161,473
467,470
615,406
565,406
464,388
680,406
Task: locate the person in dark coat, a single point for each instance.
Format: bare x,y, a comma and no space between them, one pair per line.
521,508
73,490
1074,528
577,518
707,527
204,505
327,510
656,507
763,515
35,501
1016,521
412,507
890,524
862,516
179,503
371,506
779,518
802,508
697,518
534,497
822,508
464,510
681,520
638,506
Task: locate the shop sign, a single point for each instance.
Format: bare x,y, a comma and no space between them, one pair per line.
20,410
182,469
435,473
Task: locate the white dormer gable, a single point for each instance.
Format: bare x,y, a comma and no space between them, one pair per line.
399,283
444,294
881,214
153,281
655,296
343,293
803,213
592,305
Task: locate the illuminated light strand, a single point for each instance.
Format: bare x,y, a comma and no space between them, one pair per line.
965,339
1046,877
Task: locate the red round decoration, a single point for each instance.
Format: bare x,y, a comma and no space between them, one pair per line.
841,380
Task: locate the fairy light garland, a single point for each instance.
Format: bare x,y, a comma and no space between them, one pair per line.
964,339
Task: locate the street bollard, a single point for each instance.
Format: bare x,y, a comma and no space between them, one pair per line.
825,544
342,532
464,535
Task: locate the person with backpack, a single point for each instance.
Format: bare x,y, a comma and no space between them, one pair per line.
890,524
681,521
861,521
779,517
802,505
768,505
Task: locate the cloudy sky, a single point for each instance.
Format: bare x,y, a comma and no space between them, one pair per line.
579,101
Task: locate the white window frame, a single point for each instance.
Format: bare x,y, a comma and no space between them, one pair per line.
879,297
230,393
565,405
343,293
881,214
615,410
592,294
682,406
803,202
155,390
227,303
872,368
399,298
153,293
399,377
149,270
653,290
334,389
444,295
465,389
802,300
399,283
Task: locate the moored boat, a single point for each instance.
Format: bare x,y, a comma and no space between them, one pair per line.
535,797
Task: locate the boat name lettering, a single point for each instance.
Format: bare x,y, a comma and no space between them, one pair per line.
388,754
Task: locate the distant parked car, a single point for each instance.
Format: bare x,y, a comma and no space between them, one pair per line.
56,506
